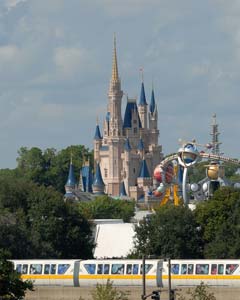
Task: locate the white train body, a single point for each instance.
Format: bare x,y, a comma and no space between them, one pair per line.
128,272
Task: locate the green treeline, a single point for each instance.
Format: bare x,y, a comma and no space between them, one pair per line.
35,222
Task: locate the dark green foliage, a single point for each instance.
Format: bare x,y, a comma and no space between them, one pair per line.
219,220
171,232
104,207
11,286
50,167
35,222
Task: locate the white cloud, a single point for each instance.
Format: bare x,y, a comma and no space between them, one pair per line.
69,60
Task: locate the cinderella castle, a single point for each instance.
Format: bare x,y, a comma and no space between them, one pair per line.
127,150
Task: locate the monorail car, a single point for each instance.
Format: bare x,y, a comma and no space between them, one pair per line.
128,272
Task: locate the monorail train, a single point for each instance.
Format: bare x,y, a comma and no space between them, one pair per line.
128,272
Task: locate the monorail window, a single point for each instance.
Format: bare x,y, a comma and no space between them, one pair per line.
135,269
117,269
19,268
214,269
190,269
62,268
91,268
53,269
220,269
100,269
36,269
46,269
147,268
184,269
175,268
230,268
202,268
129,269
24,269
106,269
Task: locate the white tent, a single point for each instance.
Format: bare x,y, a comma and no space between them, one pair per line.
113,239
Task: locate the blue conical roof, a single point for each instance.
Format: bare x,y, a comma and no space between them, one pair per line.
71,181
108,116
122,189
127,146
152,104
140,145
98,181
87,179
142,100
130,108
144,173
97,135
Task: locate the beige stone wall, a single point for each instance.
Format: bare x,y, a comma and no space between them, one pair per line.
71,293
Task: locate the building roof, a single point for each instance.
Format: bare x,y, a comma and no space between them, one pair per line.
140,146
127,146
97,135
142,100
98,181
152,103
122,190
71,181
130,107
109,244
144,173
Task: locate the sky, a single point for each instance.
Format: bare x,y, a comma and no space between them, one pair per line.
55,67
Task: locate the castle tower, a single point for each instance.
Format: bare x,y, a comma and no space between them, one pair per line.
114,101
142,108
215,136
98,184
153,121
71,183
126,142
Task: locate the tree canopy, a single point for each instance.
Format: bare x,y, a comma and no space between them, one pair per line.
171,232
35,222
11,286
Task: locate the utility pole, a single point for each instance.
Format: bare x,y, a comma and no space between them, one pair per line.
143,278
169,280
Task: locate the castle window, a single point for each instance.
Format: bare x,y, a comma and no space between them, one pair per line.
134,130
134,121
105,173
134,170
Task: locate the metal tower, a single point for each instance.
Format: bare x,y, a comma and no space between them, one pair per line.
215,136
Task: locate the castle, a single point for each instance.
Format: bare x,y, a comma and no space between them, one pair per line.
127,152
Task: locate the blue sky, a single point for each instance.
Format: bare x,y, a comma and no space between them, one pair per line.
55,66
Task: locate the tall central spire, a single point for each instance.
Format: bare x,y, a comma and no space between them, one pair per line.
114,63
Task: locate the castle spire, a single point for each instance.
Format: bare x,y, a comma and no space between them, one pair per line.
114,63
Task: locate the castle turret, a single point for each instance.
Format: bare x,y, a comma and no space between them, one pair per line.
71,183
122,190
142,108
98,184
153,122
115,99
97,144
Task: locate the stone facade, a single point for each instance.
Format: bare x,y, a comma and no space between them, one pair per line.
128,150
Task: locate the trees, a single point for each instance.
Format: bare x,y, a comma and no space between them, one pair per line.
104,207
50,167
35,222
217,218
11,286
171,232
